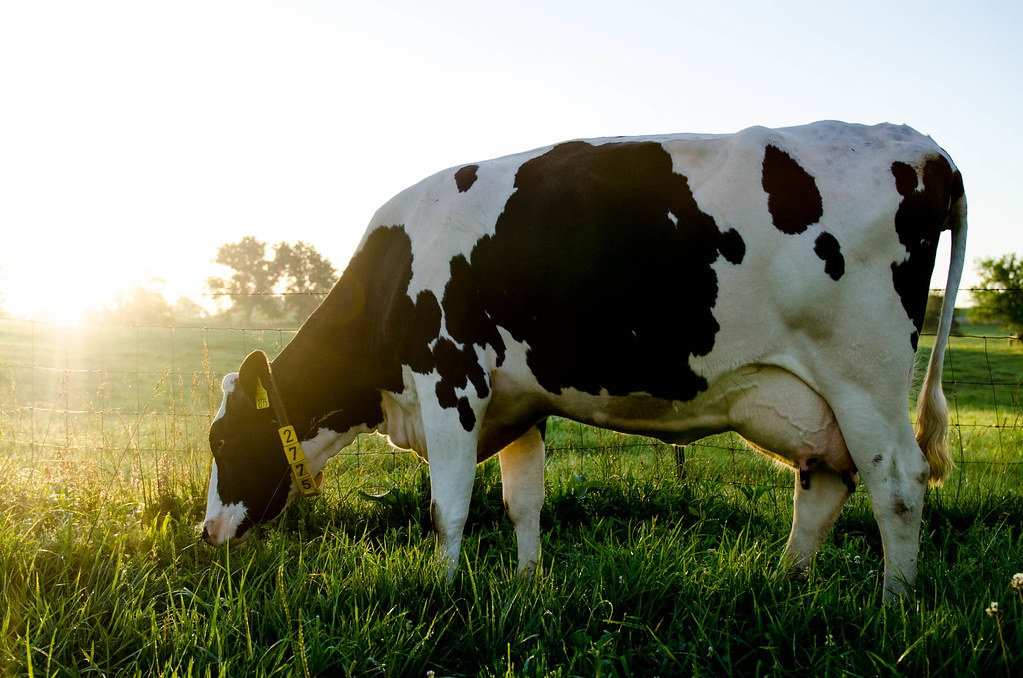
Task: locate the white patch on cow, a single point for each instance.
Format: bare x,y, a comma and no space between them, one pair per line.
403,421
222,520
673,219
425,210
324,445
228,387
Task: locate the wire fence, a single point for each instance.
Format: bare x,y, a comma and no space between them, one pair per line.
140,394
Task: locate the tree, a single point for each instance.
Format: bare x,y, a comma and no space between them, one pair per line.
999,295
251,285
144,305
304,277
288,284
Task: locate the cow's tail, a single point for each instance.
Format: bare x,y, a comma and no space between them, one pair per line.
932,410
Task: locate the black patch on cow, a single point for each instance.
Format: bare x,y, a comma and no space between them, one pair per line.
466,417
457,372
919,221
601,262
356,342
958,191
792,195
732,246
466,177
830,252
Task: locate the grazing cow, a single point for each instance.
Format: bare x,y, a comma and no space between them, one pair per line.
770,282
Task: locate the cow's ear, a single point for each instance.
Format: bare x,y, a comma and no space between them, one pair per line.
254,378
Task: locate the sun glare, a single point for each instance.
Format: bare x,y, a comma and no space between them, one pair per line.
44,301
71,282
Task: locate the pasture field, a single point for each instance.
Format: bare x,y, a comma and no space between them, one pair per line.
649,567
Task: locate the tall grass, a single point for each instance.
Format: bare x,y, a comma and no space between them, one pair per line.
647,568
635,580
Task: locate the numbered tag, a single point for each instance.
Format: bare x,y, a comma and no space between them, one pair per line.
288,435
262,397
292,448
297,461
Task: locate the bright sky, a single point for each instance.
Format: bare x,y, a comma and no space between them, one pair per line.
136,137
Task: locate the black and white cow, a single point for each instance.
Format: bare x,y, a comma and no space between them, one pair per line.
770,282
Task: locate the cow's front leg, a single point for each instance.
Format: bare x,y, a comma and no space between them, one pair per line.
522,480
450,424
452,472
814,511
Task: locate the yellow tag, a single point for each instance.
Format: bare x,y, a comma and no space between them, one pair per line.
262,397
288,435
296,459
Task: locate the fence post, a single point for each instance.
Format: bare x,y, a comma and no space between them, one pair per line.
680,461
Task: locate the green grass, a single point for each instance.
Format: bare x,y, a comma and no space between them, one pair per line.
645,571
638,579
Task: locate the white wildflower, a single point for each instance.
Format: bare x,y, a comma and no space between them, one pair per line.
992,610
1017,581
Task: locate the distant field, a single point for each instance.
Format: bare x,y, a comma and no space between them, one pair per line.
141,398
652,567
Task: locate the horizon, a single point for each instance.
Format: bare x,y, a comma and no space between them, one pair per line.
137,138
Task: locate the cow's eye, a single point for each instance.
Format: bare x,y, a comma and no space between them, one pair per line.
216,446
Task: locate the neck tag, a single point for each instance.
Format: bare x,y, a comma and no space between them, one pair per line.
296,459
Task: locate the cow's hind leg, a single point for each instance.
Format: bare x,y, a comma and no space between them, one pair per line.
896,481
815,509
895,474
522,479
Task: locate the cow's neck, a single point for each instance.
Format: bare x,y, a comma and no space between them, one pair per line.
352,348
327,383
326,410
306,397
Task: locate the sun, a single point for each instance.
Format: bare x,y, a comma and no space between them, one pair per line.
59,286
37,298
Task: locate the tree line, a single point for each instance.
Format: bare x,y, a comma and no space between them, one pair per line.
282,284
264,285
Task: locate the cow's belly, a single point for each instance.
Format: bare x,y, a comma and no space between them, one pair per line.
768,406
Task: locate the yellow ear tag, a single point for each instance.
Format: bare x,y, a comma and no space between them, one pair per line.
262,397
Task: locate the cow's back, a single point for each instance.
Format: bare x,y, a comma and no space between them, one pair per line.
656,264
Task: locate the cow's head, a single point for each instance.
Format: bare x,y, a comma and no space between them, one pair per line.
251,481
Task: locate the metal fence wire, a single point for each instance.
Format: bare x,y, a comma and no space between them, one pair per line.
150,392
